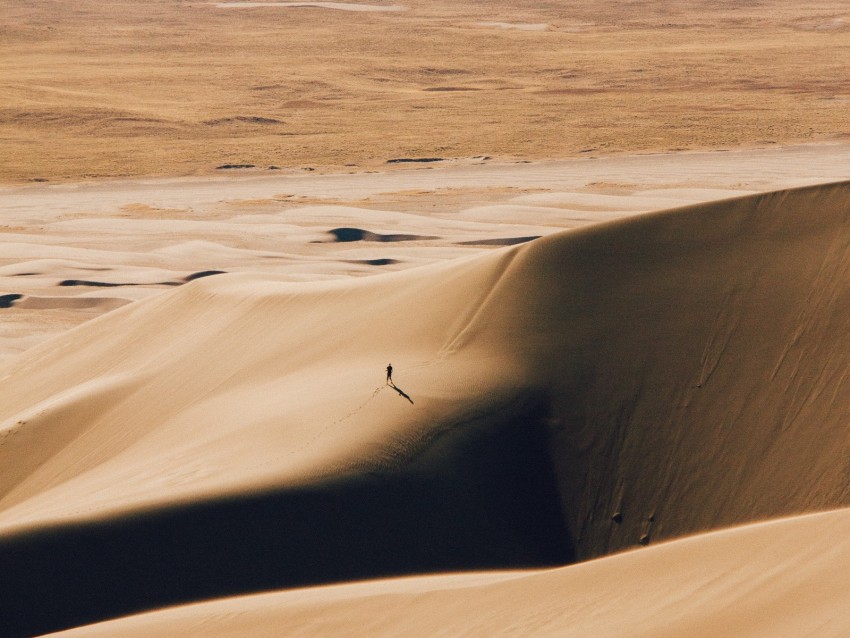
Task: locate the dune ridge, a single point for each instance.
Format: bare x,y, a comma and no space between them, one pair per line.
688,341
576,395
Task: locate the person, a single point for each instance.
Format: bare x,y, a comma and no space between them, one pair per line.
390,373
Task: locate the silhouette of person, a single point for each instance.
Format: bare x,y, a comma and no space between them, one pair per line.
390,373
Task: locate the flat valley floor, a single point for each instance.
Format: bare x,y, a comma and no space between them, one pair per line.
170,87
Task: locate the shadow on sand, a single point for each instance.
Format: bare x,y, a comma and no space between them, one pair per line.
479,494
400,391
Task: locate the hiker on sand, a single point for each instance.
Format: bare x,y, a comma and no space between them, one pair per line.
390,373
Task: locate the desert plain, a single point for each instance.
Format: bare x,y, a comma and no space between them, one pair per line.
605,246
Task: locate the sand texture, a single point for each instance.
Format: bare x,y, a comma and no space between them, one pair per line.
604,245
595,390
168,87
742,582
69,253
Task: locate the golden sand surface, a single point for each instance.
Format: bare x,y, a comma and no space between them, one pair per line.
605,245
173,87
71,252
580,402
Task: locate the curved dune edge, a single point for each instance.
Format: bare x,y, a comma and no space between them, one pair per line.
774,579
574,396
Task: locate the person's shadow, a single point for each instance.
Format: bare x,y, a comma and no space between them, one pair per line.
392,384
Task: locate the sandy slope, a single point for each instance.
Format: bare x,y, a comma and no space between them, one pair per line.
577,395
781,579
71,252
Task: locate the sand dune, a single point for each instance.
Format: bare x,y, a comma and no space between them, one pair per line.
146,232
581,394
606,247
43,303
781,579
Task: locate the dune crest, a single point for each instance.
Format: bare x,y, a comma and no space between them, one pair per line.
576,395
693,360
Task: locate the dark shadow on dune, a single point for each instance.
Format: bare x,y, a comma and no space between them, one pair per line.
202,274
242,119
415,160
108,284
477,495
7,301
374,262
500,241
358,234
400,391
351,234
94,284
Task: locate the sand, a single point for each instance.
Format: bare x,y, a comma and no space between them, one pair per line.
629,378
741,582
606,248
93,89
72,252
341,6
521,26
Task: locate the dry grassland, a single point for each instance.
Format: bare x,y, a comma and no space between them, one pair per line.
97,88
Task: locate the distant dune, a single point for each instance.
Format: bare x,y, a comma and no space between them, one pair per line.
278,87
585,393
